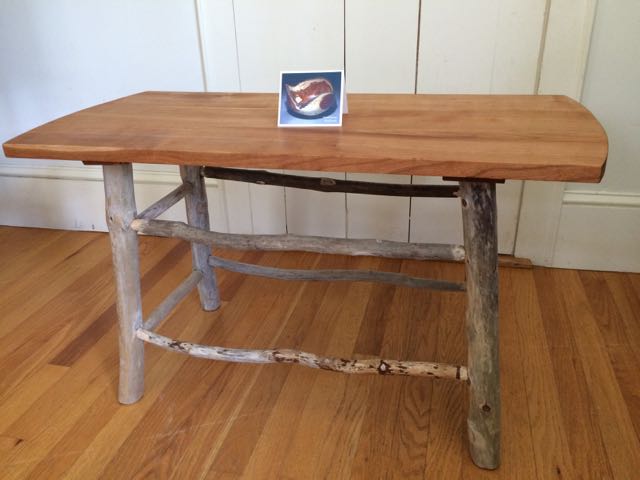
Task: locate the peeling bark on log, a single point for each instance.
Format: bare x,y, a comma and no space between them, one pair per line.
198,217
324,184
165,203
370,366
174,298
335,275
121,210
340,246
479,217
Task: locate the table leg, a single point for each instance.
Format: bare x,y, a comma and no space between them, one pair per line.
198,216
479,216
121,210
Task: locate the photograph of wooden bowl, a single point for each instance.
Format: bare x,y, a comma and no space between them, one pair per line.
311,98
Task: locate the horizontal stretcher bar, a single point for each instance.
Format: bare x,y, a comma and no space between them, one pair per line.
335,275
325,184
340,246
356,366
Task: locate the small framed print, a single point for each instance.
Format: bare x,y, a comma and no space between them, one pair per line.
311,99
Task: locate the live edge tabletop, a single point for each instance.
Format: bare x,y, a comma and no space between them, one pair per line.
467,136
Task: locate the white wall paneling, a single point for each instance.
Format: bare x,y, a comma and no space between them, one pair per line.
216,25
69,55
598,233
435,220
476,47
380,45
287,35
290,35
316,213
468,46
439,220
66,56
599,224
380,62
268,209
96,51
61,186
562,66
374,216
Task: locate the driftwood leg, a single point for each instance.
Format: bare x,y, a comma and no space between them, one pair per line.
480,242
198,216
121,210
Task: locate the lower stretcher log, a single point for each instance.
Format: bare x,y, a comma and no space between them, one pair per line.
356,366
339,246
335,275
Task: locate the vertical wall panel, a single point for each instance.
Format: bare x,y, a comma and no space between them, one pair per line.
478,47
380,47
289,35
468,46
383,218
218,35
439,219
457,45
562,70
316,213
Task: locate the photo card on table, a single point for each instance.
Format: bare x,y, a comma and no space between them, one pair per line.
311,98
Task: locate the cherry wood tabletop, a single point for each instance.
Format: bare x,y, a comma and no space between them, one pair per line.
467,136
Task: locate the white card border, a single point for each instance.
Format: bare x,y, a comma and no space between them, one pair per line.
301,125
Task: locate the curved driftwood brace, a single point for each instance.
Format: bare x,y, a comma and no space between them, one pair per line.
165,203
325,184
242,355
174,298
335,275
340,246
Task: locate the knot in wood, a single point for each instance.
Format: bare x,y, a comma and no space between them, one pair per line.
327,182
384,368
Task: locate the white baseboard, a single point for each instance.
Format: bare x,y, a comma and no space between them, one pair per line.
599,231
72,197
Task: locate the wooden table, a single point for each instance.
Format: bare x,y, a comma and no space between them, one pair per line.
476,139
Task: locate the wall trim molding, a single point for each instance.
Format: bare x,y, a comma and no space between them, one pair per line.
91,173
601,199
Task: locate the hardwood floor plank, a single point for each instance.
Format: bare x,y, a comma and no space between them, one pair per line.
309,328
330,395
62,269
21,245
50,328
580,423
15,404
613,417
552,452
161,369
518,461
570,350
253,404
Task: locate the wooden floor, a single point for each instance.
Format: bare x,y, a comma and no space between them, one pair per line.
570,372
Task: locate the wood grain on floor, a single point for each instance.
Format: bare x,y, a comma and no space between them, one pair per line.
570,357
